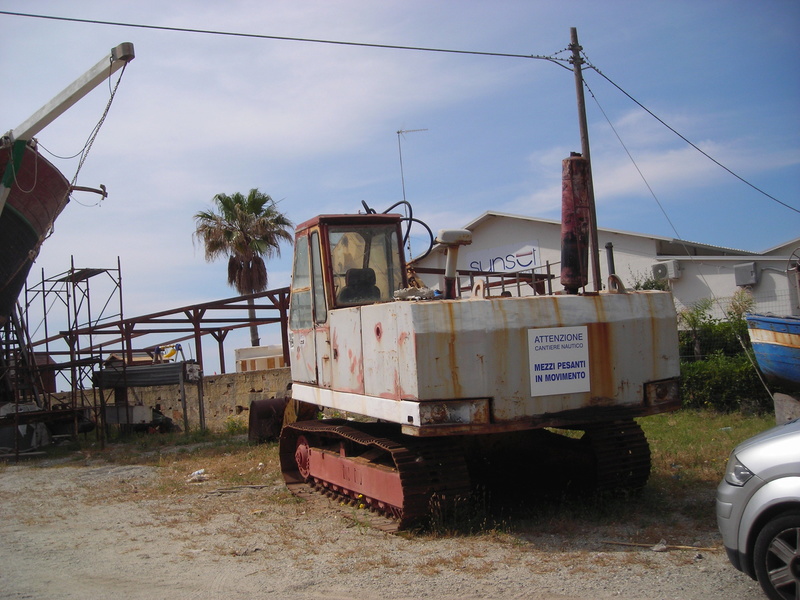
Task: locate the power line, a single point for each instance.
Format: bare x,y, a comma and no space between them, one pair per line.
692,144
682,243
558,61
277,37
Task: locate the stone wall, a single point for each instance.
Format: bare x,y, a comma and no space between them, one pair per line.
226,398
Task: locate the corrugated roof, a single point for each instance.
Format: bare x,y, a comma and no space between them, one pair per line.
490,213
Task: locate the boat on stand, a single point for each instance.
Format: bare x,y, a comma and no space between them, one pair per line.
776,345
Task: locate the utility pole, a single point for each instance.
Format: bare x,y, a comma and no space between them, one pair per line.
594,244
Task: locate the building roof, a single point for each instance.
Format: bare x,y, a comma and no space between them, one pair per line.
667,242
790,244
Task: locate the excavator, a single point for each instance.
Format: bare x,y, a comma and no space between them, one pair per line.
438,388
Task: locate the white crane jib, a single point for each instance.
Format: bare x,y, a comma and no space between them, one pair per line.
107,66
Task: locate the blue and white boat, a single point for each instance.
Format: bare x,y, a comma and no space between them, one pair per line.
776,344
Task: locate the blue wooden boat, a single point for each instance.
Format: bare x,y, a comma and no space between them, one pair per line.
776,344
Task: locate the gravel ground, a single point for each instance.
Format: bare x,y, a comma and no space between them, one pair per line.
103,531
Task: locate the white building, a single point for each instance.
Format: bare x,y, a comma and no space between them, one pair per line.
512,243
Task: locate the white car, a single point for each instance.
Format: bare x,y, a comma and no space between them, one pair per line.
758,510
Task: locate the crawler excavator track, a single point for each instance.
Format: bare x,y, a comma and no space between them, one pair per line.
373,466
622,455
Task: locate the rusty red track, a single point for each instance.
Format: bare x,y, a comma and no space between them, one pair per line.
372,465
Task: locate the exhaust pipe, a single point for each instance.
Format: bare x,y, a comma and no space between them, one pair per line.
575,223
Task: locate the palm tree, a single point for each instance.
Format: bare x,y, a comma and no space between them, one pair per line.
246,229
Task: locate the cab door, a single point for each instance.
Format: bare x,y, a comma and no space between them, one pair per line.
301,317
308,314
322,330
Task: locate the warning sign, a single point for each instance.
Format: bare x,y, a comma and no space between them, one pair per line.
559,360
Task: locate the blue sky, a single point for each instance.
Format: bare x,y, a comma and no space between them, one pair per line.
314,125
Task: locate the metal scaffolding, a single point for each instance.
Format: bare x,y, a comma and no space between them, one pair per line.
67,357
71,329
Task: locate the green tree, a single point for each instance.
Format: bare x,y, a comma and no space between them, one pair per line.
694,318
742,302
247,230
647,281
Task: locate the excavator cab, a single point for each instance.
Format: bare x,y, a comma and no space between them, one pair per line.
340,261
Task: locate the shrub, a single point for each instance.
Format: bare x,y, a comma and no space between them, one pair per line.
646,281
711,337
723,383
702,335
235,425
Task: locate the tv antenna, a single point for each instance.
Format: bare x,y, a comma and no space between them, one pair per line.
401,133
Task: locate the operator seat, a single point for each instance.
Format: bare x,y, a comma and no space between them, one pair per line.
359,287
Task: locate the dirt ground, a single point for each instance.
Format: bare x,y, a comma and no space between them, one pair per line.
74,528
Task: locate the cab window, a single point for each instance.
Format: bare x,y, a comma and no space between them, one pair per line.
300,316
366,264
320,304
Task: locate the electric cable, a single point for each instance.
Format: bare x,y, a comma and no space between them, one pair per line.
685,139
277,37
680,241
562,62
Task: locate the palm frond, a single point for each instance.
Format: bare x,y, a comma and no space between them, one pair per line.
246,229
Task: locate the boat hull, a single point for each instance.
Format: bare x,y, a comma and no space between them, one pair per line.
38,194
776,344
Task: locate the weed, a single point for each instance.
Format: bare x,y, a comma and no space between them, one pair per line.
438,563
235,425
463,515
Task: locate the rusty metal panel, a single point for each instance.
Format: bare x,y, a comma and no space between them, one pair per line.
324,352
479,348
389,334
381,335
388,357
347,354
455,412
303,356
459,350
378,483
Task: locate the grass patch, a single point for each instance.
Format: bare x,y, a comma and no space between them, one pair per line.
692,446
689,452
227,459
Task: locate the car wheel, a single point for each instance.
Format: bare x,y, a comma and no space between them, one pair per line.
777,557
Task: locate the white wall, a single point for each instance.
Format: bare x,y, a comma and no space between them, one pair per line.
633,255
709,275
705,277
